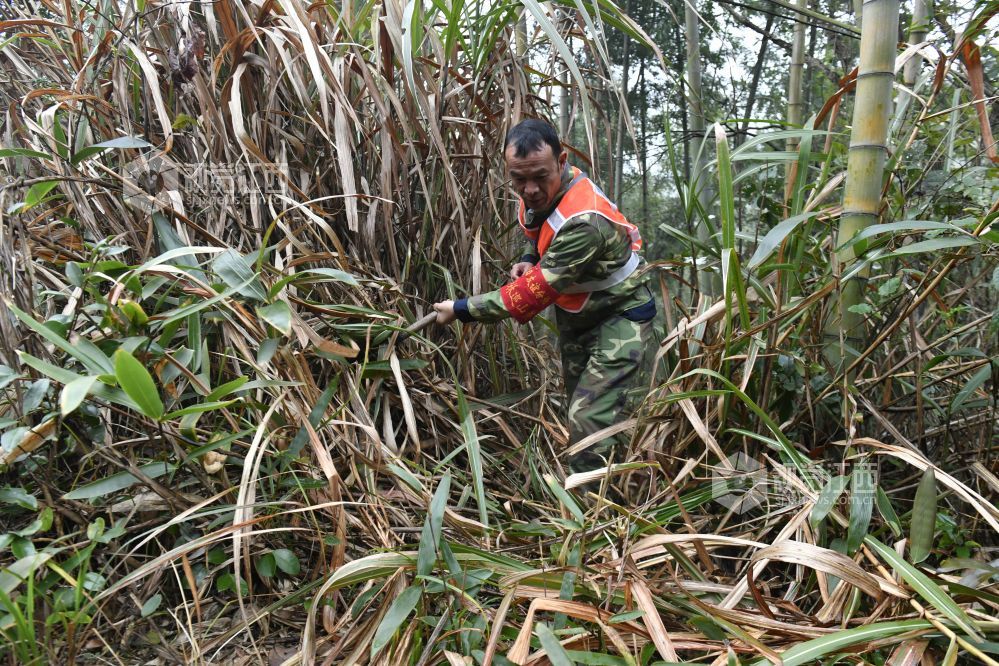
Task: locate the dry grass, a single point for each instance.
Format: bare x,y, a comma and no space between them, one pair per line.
353,477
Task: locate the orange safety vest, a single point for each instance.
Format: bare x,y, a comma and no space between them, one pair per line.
582,198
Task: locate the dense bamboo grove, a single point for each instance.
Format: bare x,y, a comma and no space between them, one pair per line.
218,447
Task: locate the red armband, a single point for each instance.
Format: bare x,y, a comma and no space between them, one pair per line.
528,295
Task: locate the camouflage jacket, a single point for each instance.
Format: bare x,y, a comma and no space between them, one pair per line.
588,248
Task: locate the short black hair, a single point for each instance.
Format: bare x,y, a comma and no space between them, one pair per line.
530,135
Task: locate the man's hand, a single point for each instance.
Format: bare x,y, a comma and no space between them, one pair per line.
519,269
445,312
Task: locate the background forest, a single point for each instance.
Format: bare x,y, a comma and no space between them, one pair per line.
218,446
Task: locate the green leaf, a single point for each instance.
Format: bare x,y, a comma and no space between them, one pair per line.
924,517
227,388
35,194
625,616
397,613
904,226
74,393
861,507
11,577
474,454
926,588
119,142
151,605
812,651
23,152
888,512
7,376
314,275
278,315
861,309
200,408
227,582
935,245
237,272
40,524
976,381
563,496
138,384
94,360
267,565
286,561
549,642
120,481
773,238
18,496
431,535
827,498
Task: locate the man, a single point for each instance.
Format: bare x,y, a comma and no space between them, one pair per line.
583,257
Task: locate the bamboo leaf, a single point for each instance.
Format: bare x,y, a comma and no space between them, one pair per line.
564,498
861,506
120,481
431,535
550,644
397,613
238,274
94,360
827,498
474,453
976,381
888,512
935,245
138,384
923,523
74,393
926,588
23,152
811,651
773,238
278,315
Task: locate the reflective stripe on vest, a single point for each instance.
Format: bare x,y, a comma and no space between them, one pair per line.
583,197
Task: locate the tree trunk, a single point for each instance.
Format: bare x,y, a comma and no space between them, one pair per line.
757,70
865,170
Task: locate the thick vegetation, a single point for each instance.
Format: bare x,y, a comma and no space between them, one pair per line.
217,447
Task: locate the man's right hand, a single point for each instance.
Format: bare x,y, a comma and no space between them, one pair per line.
519,269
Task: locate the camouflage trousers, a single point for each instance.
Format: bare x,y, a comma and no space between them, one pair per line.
606,376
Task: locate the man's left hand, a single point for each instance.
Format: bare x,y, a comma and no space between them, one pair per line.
445,312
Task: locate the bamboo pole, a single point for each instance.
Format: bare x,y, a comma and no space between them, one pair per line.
695,141
865,169
795,106
917,35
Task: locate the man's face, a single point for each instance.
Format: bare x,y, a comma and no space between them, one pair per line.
536,177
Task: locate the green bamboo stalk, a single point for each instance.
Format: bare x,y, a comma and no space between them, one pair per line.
696,140
865,169
795,104
917,35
